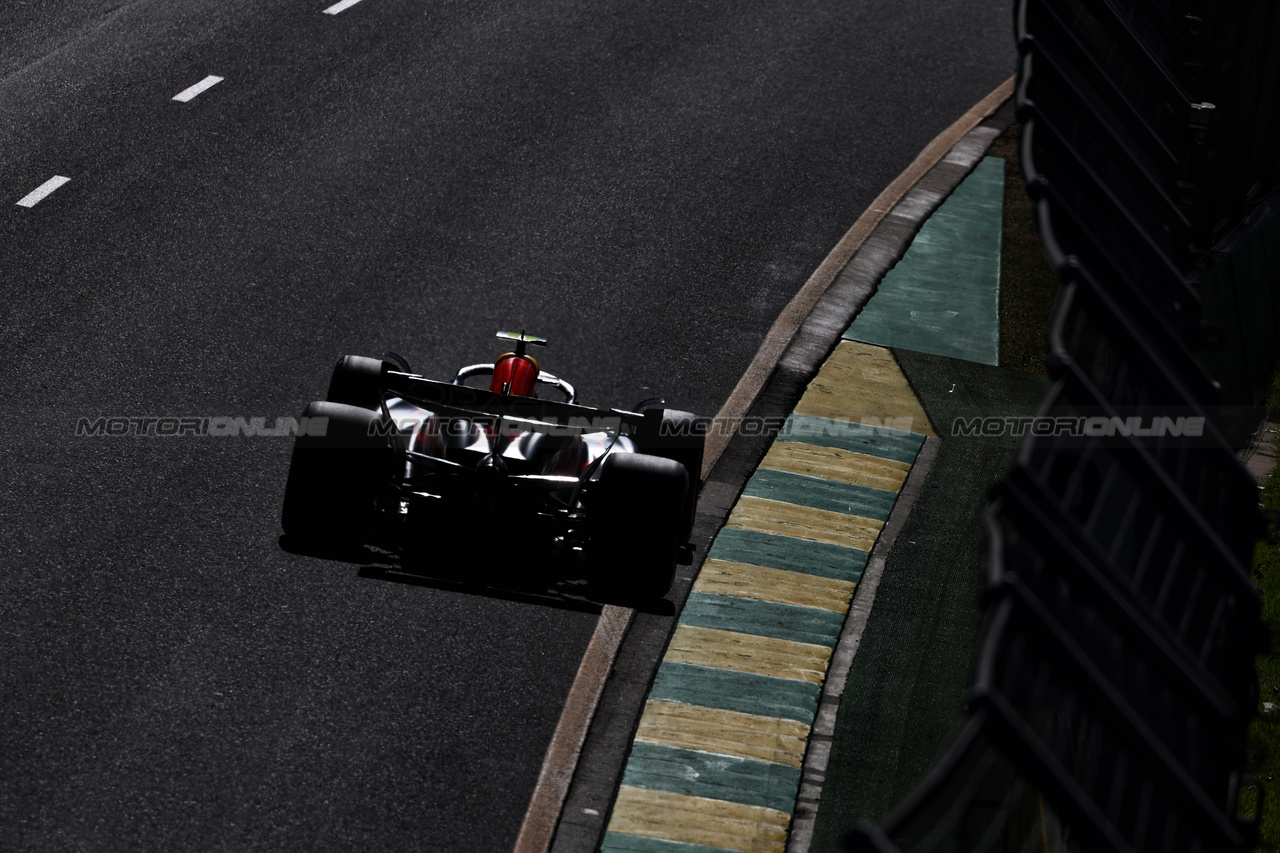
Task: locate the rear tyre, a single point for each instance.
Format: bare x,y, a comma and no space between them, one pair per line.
357,381
636,507
338,466
681,437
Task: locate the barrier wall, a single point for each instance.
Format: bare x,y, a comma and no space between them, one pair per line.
1114,683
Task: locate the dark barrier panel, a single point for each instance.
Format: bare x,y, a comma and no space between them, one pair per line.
1115,681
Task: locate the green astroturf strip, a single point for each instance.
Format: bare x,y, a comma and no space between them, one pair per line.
907,686
706,774
943,296
885,442
730,690
819,493
789,553
762,618
620,842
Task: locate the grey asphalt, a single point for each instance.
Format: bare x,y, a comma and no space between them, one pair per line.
645,185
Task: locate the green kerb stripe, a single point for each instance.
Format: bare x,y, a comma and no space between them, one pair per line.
765,618
884,442
787,552
731,690
820,493
620,842
706,774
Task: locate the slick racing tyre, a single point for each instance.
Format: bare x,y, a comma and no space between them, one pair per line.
636,509
681,437
340,461
357,381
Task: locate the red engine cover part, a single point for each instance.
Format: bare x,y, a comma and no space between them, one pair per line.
518,372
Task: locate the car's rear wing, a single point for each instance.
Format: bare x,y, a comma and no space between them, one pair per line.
464,401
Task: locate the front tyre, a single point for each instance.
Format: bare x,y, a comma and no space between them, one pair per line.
636,507
357,381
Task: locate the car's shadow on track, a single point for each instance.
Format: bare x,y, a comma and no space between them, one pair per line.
537,580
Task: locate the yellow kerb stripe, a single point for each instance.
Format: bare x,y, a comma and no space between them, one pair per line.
699,820
723,732
861,383
818,525
833,463
723,577
748,653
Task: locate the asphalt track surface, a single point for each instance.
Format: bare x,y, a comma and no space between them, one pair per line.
645,184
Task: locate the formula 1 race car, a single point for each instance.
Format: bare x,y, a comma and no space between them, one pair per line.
390,456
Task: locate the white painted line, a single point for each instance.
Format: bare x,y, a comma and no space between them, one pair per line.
37,195
187,94
340,7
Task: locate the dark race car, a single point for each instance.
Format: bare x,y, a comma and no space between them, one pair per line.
392,458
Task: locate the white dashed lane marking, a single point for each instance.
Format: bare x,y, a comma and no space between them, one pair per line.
189,93
340,7
38,194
